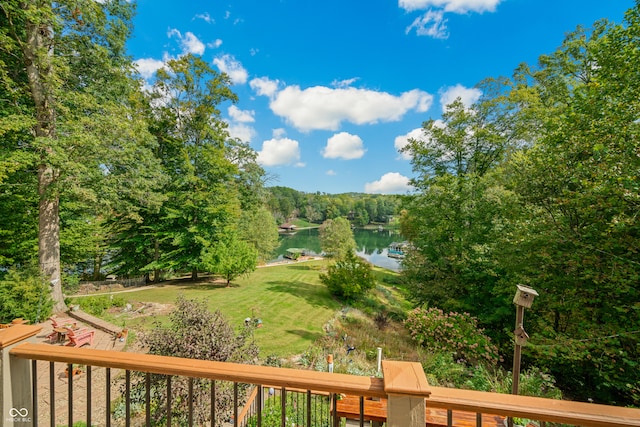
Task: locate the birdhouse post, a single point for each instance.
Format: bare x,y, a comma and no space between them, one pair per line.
523,299
524,296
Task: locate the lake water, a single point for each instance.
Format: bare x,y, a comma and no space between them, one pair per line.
371,244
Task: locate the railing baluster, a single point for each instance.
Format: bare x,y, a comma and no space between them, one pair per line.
449,418
361,411
283,407
334,406
127,397
108,396
190,402
478,419
213,403
34,392
70,392
308,408
168,400
52,396
147,399
88,395
259,404
235,404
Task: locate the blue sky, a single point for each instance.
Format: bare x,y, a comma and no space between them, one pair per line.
328,90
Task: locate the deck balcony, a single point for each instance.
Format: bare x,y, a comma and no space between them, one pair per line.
401,398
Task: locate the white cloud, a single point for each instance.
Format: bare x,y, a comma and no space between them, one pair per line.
431,24
455,6
237,122
325,108
344,146
331,172
264,86
279,152
189,42
344,83
239,115
205,17
233,68
147,67
467,95
401,141
389,183
279,133
215,44
241,131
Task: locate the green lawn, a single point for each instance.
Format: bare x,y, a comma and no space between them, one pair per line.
290,300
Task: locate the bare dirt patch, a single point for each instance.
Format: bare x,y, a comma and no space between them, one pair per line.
140,309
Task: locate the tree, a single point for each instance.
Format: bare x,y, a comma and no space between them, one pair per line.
576,242
197,333
204,198
336,237
455,218
349,278
24,294
69,81
230,258
258,227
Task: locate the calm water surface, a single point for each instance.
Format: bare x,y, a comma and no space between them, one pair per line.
371,244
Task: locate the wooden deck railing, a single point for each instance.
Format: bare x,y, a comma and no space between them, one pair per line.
403,386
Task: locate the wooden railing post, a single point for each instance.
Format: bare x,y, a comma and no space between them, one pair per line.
406,386
16,394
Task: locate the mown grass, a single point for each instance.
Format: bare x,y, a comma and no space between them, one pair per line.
289,299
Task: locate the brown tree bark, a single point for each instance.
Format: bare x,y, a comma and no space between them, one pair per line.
37,51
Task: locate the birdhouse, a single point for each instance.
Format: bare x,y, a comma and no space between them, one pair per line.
524,296
521,336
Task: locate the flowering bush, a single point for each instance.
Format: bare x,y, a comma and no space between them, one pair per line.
453,333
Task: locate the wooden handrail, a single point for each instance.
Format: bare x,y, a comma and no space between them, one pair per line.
575,413
17,333
167,365
405,378
535,408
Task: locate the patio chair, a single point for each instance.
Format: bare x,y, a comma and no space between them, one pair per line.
80,337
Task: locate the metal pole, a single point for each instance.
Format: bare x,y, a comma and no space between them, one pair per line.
517,351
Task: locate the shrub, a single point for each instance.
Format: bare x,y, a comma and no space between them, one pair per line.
453,333
349,278
98,304
23,293
196,333
295,413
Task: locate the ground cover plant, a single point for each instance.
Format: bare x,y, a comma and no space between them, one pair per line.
289,300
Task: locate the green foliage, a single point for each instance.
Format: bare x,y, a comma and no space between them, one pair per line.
288,204
442,370
336,237
204,199
196,333
230,258
97,305
538,183
24,293
349,278
454,333
296,411
259,228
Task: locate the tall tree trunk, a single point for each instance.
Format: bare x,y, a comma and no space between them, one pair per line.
49,238
37,51
156,257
